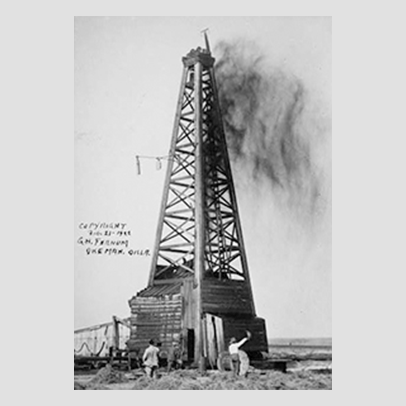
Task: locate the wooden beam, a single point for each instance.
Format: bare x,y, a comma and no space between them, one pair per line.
199,213
171,281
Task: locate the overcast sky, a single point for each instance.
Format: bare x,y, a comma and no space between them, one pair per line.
127,78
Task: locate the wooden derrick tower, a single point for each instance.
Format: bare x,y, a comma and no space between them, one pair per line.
199,290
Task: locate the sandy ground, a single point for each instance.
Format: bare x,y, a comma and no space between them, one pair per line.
297,378
312,370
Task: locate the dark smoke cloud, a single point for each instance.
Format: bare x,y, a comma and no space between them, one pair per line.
264,115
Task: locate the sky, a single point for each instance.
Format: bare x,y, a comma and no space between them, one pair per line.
127,77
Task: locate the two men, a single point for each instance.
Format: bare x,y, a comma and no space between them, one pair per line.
151,360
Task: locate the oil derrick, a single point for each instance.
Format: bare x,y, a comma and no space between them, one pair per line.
199,291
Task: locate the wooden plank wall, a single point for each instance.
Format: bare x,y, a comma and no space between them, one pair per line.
226,297
158,318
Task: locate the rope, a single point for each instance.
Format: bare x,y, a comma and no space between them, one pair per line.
98,353
81,348
91,353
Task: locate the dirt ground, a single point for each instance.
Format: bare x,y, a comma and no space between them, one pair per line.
191,379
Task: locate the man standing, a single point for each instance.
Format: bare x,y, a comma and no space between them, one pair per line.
150,359
233,349
175,357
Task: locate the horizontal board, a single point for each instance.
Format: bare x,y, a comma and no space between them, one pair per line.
157,321
155,315
152,305
153,299
161,323
149,304
160,313
156,326
156,308
157,335
222,287
224,309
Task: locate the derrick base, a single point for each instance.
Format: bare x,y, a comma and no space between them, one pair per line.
166,313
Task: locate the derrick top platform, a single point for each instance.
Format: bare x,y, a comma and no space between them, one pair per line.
198,55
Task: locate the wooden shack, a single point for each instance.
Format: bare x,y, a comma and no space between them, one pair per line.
167,313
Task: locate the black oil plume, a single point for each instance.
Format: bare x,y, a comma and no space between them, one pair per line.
267,131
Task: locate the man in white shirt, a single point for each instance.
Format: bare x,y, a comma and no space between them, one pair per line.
150,359
233,349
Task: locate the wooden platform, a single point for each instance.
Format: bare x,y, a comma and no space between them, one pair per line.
279,364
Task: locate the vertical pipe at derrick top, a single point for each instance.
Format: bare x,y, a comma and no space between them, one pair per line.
199,211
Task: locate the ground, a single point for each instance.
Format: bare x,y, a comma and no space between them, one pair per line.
310,368
192,379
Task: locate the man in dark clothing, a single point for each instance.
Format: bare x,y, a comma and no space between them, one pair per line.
175,357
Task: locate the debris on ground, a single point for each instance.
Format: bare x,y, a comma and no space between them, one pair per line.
271,380
105,376
79,386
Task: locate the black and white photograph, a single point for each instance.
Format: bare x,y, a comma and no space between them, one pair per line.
203,203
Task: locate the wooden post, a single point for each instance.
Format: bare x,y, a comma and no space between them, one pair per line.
199,214
116,334
116,340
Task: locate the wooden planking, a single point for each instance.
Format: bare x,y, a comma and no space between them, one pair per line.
214,334
226,297
159,318
168,290
150,305
188,297
220,334
174,323
156,310
157,313
155,301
